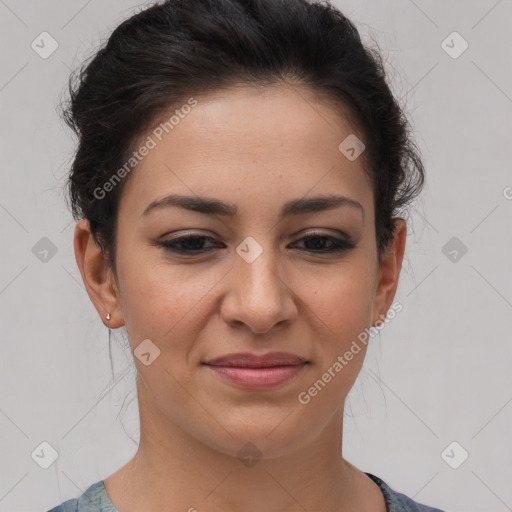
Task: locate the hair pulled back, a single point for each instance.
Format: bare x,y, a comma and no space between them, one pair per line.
176,49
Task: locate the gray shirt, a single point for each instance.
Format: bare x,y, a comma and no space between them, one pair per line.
96,499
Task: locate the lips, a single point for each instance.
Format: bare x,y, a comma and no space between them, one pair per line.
257,372
248,360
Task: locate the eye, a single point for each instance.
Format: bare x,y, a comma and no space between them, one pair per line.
321,243
192,244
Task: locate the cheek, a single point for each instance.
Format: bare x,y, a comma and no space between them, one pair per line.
342,299
340,306
164,302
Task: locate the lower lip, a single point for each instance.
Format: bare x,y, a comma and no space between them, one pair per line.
257,378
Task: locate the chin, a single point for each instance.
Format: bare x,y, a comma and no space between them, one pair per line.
262,440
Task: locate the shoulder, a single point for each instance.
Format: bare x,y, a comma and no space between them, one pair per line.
398,502
66,506
94,499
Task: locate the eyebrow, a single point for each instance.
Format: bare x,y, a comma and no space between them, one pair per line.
215,207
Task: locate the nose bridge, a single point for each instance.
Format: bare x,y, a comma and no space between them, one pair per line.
260,298
257,268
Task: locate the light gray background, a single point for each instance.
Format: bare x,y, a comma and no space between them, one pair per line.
440,372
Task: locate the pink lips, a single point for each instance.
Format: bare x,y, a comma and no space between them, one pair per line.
251,371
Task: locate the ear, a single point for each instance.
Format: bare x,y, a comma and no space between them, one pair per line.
98,278
389,272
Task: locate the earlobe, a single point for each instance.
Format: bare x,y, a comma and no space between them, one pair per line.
97,275
389,272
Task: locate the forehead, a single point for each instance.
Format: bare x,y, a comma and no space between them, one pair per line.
268,144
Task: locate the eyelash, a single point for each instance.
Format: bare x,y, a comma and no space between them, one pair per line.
340,245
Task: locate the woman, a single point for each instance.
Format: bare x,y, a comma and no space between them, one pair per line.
240,172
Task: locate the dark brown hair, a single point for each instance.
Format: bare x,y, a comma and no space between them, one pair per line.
177,49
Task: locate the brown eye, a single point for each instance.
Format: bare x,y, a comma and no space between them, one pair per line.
193,244
325,244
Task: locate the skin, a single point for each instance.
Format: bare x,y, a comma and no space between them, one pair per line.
195,308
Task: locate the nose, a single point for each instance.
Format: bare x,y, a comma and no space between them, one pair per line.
259,296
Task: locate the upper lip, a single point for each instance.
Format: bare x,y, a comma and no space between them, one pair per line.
248,360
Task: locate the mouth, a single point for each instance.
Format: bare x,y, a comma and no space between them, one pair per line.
257,372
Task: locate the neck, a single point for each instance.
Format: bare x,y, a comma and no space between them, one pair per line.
173,470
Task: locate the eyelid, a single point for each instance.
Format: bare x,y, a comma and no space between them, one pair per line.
323,232
187,232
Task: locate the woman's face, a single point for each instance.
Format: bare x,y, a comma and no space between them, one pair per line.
260,285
